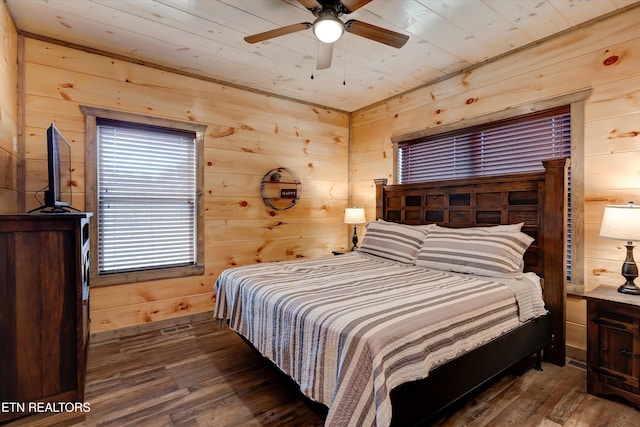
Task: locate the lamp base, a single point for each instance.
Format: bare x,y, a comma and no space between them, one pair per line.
354,240
629,288
629,272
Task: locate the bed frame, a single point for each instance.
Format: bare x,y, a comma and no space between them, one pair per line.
537,199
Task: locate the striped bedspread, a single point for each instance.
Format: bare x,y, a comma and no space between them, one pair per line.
350,328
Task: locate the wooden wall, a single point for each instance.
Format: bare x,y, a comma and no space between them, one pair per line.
604,57
248,134
9,157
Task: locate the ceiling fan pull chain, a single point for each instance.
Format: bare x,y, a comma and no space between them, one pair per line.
344,64
313,59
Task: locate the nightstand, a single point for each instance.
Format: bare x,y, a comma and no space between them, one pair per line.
613,344
340,252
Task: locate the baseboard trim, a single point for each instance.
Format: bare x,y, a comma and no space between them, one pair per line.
151,326
576,353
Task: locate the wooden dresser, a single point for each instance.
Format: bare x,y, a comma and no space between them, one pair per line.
613,344
44,308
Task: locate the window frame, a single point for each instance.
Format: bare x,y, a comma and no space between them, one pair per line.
91,195
576,102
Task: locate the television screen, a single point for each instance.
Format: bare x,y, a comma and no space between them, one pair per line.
59,170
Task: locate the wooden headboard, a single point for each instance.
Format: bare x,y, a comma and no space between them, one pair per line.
538,199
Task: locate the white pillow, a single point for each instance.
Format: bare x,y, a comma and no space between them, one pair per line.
479,250
397,242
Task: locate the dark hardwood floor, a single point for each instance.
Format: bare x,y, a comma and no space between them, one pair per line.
204,376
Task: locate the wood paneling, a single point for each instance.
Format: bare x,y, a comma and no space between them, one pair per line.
9,156
603,57
205,38
247,135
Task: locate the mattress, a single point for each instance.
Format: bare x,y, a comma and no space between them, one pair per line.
350,328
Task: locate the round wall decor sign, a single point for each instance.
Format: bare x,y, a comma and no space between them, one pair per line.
280,188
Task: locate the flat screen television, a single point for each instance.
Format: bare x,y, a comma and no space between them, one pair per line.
58,195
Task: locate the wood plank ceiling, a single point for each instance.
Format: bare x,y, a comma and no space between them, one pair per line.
205,38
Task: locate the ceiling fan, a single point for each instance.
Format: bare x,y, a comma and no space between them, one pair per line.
328,28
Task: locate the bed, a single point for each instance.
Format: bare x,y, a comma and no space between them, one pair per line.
399,330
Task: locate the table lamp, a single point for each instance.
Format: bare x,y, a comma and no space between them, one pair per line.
622,222
354,216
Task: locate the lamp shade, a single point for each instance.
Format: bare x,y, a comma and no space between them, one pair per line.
328,28
621,222
354,216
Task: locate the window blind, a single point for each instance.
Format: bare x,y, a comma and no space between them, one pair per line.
511,146
146,197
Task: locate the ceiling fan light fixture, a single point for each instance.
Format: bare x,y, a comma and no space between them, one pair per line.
328,28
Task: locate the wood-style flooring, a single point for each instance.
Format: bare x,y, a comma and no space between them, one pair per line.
204,376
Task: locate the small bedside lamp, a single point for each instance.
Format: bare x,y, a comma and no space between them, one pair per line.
354,216
622,222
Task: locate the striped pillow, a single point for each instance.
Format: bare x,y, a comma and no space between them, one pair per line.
475,251
397,242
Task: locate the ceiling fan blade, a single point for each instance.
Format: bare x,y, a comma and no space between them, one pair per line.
353,5
310,4
277,32
375,33
325,53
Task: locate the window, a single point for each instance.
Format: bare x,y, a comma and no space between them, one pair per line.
147,206
146,197
513,145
